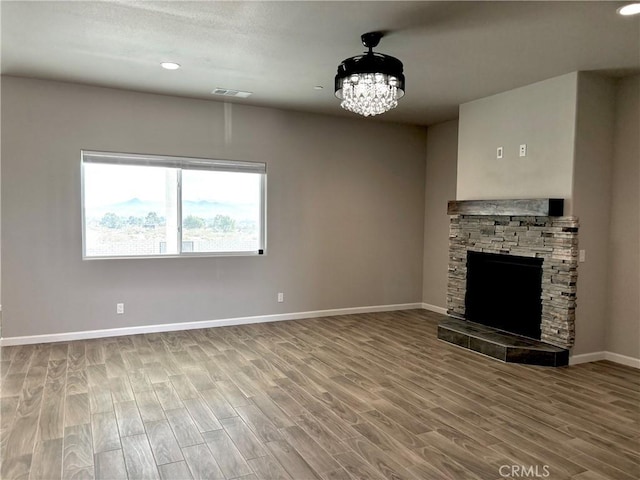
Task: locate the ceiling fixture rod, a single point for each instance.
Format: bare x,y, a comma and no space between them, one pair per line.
372,83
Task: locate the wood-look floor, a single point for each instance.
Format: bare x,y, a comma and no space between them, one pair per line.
368,396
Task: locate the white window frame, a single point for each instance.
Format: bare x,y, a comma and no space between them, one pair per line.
179,163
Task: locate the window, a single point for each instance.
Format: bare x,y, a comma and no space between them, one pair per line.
146,205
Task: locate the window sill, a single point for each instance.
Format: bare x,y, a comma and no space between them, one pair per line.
183,255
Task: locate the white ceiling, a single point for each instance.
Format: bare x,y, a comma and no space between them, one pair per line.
453,52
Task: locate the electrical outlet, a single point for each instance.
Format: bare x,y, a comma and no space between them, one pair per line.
499,152
582,256
119,308
523,150
280,297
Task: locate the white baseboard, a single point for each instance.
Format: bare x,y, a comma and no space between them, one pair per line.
622,359
170,327
611,356
586,358
433,308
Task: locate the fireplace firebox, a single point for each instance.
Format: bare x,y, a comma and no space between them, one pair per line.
504,292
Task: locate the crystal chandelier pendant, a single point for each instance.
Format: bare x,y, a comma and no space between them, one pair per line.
369,94
370,84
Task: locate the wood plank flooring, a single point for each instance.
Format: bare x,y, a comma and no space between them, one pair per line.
371,396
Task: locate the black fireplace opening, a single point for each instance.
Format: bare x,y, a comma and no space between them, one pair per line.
503,291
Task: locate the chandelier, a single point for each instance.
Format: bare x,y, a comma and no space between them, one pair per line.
372,83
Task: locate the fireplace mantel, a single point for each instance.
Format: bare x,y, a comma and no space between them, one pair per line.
538,207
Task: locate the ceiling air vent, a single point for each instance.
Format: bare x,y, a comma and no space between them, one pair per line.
227,92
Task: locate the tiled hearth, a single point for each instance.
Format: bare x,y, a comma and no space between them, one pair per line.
554,239
501,345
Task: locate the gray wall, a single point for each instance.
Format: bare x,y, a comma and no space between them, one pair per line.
623,329
542,116
345,210
440,187
591,204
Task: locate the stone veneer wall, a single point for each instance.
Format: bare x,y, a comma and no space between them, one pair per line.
554,239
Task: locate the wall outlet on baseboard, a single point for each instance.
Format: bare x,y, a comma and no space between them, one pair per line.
119,308
499,152
582,256
280,297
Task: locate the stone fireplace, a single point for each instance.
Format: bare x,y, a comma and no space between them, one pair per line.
551,238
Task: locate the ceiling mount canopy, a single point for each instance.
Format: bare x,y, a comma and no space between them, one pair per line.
372,83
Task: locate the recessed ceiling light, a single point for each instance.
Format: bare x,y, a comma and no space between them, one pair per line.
170,65
631,9
318,87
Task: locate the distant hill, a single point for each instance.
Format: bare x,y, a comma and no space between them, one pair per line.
202,208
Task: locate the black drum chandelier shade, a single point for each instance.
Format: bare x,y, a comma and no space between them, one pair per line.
372,83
